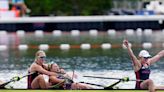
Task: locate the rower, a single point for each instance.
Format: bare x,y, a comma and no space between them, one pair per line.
36,80
141,67
63,80
1,82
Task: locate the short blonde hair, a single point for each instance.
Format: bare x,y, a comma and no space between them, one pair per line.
38,53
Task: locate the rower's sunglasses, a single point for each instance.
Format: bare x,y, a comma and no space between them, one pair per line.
146,57
43,57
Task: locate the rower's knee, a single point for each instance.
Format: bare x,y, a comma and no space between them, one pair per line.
40,77
150,82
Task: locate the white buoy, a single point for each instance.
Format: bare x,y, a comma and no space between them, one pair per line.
3,47
148,32
65,46
106,46
163,31
57,33
85,46
147,45
139,31
39,33
23,47
124,47
93,32
75,32
160,21
20,33
43,46
3,32
129,32
111,32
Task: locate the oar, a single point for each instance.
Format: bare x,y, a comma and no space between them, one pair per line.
16,78
112,85
122,79
105,87
93,84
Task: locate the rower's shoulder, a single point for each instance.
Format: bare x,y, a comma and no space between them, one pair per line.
34,67
137,67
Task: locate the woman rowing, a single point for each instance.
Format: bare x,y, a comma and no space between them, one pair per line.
1,82
64,81
36,80
141,67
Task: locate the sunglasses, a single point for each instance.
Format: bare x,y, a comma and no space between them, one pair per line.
146,57
42,57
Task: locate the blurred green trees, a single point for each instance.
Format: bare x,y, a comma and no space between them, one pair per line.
68,7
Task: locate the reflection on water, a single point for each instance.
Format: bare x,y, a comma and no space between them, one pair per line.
95,59
113,62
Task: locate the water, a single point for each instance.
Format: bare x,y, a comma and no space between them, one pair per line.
113,62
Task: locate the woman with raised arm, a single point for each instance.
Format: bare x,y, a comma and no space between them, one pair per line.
141,67
38,68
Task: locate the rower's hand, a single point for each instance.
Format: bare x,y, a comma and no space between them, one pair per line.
75,76
62,71
126,43
70,75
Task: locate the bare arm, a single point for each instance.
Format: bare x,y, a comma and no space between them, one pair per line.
136,63
42,70
45,66
156,57
55,80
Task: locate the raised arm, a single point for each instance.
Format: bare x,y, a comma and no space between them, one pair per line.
157,57
136,63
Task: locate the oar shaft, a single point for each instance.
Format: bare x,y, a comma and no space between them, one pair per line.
103,77
15,79
4,84
112,85
123,79
92,84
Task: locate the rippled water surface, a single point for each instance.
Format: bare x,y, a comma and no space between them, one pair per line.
113,62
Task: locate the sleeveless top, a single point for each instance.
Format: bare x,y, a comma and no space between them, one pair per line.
31,78
142,74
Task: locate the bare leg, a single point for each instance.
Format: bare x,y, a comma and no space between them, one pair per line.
23,8
148,84
80,86
39,82
1,82
159,87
